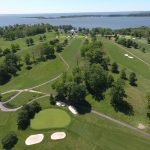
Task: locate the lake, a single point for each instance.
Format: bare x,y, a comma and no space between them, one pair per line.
87,22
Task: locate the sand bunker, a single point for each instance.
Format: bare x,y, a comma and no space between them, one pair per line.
128,56
60,104
34,139
141,126
73,110
58,135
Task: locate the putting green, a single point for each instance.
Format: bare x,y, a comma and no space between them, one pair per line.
50,118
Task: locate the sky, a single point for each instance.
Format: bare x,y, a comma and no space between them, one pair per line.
71,6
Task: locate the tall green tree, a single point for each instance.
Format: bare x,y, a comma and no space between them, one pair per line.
114,68
133,79
123,74
117,94
9,141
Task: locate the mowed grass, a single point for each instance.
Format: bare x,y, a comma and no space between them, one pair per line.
24,98
40,73
136,95
22,41
50,119
72,55
7,96
84,133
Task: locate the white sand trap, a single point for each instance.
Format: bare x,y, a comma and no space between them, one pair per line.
60,104
133,38
141,126
130,57
73,110
58,135
126,55
34,139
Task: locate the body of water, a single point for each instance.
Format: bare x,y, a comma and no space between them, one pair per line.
87,22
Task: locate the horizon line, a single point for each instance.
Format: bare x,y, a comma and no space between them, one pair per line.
74,12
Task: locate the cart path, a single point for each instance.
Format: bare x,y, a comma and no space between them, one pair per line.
146,63
120,123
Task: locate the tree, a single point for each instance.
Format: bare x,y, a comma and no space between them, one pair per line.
13,48
27,112
52,100
6,51
117,94
76,92
123,75
132,79
28,61
65,42
31,41
48,51
40,39
1,52
35,107
44,37
4,75
11,63
59,48
0,97
23,120
114,68
110,81
96,80
9,141
148,40
28,42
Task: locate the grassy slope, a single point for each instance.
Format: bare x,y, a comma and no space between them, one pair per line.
85,132
70,54
136,95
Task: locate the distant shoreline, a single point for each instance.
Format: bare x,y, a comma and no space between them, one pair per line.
83,16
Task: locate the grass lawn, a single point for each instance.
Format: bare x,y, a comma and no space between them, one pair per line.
50,118
24,98
85,132
71,54
22,41
29,78
7,96
136,95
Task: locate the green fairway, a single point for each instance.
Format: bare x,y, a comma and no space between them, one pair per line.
50,118
24,98
7,96
86,132
71,54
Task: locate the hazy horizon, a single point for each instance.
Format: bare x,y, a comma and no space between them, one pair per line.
77,12
71,6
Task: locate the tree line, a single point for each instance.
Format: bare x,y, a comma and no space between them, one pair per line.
14,32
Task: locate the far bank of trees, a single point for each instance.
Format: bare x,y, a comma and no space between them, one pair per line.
11,33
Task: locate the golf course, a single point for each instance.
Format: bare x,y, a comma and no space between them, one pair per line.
49,119
97,125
